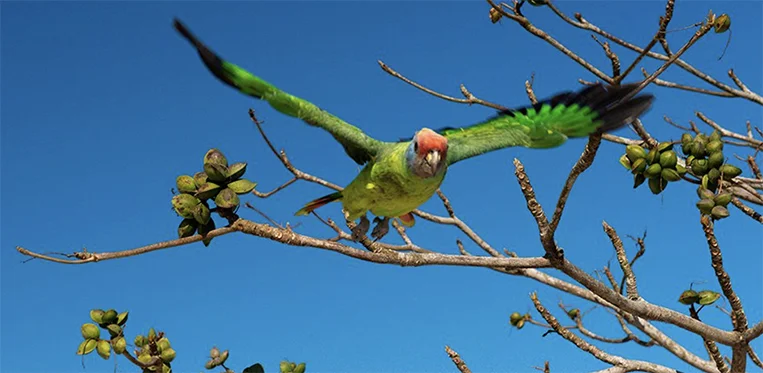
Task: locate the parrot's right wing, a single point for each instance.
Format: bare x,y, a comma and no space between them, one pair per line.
549,123
359,146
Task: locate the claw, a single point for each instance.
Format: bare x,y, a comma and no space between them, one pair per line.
381,228
361,229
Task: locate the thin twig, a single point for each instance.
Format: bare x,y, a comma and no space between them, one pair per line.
469,100
457,360
622,258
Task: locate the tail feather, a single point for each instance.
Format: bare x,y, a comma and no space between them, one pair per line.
312,205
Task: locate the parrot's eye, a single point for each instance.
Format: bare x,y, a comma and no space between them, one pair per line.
415,146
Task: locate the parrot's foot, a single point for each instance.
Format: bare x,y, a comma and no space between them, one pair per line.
381,228
361,229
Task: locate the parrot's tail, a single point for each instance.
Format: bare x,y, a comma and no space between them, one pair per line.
312,205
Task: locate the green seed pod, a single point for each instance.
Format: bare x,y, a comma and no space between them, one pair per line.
151,335
680,169
183,204
236,170
670,174
722,23
223,357
227,199
723,199
215,156
705,193
625,161
211,364
97,315
514,318
708,297
686,138
200,178
204,229
638,179
715,160
87,346
187,228
208,190
185,184
664,146
140,340
163,344
634,152
90,331
114,330
653,156
714,146
653,171
300,368
167,369
705,205
688,297
714,136
730,171
719,212
713,175
521,324
573,313
495,15
120,345
215,172
168,355
638,166
657,185
146,358
698,148
706,183
104,349
244,186
214,352
201,213
689,160
699,167
110,316
668,159
122,318
285,367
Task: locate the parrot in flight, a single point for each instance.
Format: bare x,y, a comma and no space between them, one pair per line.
398,177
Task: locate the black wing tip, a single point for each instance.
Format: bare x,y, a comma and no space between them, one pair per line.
213,62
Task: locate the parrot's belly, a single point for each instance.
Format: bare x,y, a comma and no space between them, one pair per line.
387,194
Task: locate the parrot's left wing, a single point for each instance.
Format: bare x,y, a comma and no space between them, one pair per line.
359,146
549,123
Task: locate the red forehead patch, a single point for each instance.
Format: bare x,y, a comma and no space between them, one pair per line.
431,140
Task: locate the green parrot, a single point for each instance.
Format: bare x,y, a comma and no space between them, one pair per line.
398,177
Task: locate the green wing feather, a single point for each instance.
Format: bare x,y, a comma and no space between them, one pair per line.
359,146
549,123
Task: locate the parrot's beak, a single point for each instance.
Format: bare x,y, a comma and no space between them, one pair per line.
433,159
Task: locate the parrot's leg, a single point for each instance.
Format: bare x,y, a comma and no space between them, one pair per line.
361,229
381,228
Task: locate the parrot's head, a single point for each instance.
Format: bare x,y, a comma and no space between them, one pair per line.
427,153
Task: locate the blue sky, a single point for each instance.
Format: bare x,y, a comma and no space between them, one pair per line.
103,105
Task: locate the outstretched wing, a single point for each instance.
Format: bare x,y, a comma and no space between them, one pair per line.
549,123
359,146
